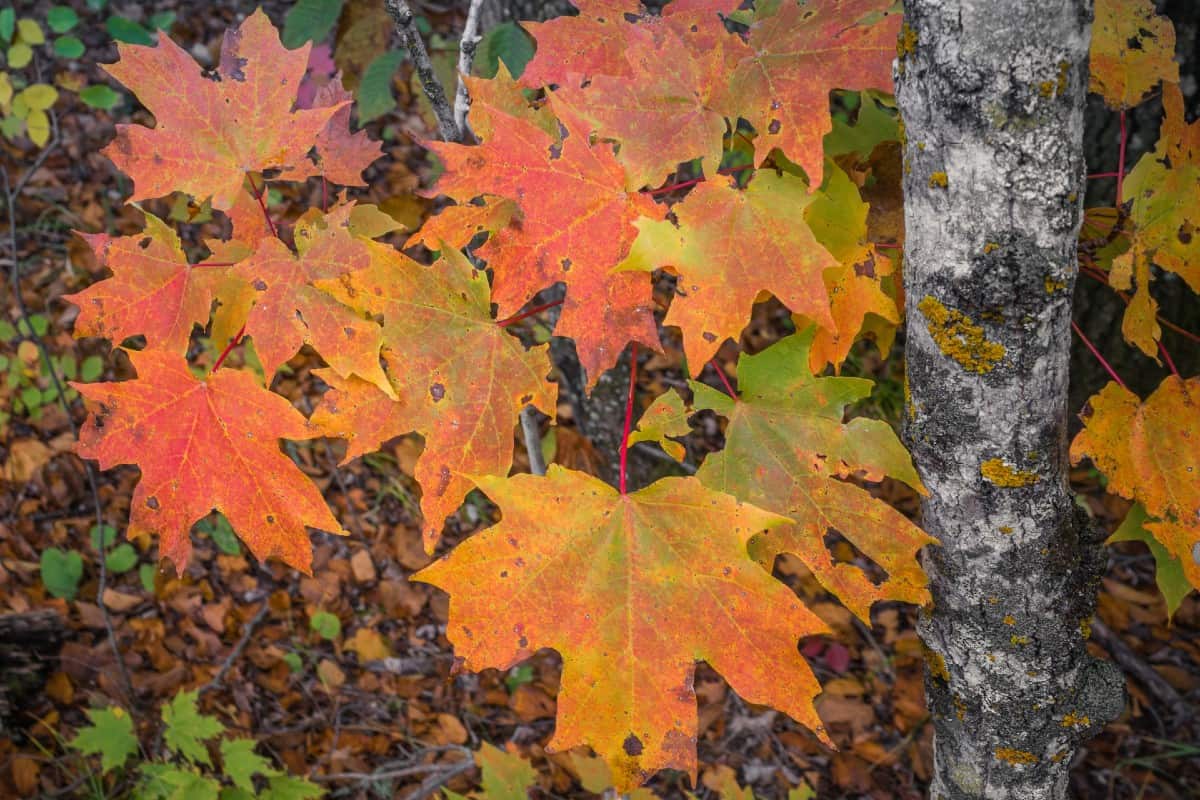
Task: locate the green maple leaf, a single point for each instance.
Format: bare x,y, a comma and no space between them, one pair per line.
110,734
187,728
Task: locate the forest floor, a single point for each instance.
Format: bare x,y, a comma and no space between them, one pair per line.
381,694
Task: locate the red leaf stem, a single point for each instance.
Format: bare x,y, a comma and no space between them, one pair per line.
229,348
1121,160
258,195
504,323
1108,367
724,380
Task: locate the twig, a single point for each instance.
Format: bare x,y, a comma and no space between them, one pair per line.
10,202
466,56
444,772
402,15
236,652
1163,693
434,782
531,427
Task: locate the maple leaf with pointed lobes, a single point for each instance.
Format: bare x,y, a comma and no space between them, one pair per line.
1164,188
177,428
209,133
359,412
341,155
661,112
153,290
288,310
800,53
1132,50
729,247
573,49
462,377
458,224
631,591
785,448
575,224
838,219
1149,452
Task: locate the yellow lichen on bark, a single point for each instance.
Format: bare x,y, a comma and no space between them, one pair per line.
1012,756
958,337
1001,474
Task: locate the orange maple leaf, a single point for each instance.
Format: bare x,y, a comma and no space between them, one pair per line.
731,245
1149,452
462,377
205,444
153,289
800,52
210,132
288,310
575,225
631,591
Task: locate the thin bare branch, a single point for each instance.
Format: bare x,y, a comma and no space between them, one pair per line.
466,57
531,428
406,26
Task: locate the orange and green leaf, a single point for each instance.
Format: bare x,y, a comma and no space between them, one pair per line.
1150,452
462,377
631,591
1133,49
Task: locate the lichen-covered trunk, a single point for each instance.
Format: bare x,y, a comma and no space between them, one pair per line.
991,93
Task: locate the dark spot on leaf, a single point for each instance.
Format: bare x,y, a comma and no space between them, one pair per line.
523,642
144,242
632,745
152,503
774,127
709,337
259,285
566,265
437,392
270,519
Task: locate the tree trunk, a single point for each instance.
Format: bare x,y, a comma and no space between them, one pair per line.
29,645
992,97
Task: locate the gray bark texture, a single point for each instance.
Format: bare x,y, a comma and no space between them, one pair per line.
992,97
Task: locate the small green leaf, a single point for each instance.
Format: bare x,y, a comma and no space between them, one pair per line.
128,31
146,574
169,782
374,94
30,32
31,396
294,662
506,42
309,21
19,55
241,763
221,532
69,366
61,19
8,22
289,787
102,536
1168,573
68,47
37,322
122,559
110,734
91,369
187,728
518,676
325,625
162,20
100,96
61,572
7,331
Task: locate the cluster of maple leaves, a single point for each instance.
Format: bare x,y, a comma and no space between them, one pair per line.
630,588
1148,450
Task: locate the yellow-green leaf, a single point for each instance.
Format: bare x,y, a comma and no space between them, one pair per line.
39,96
